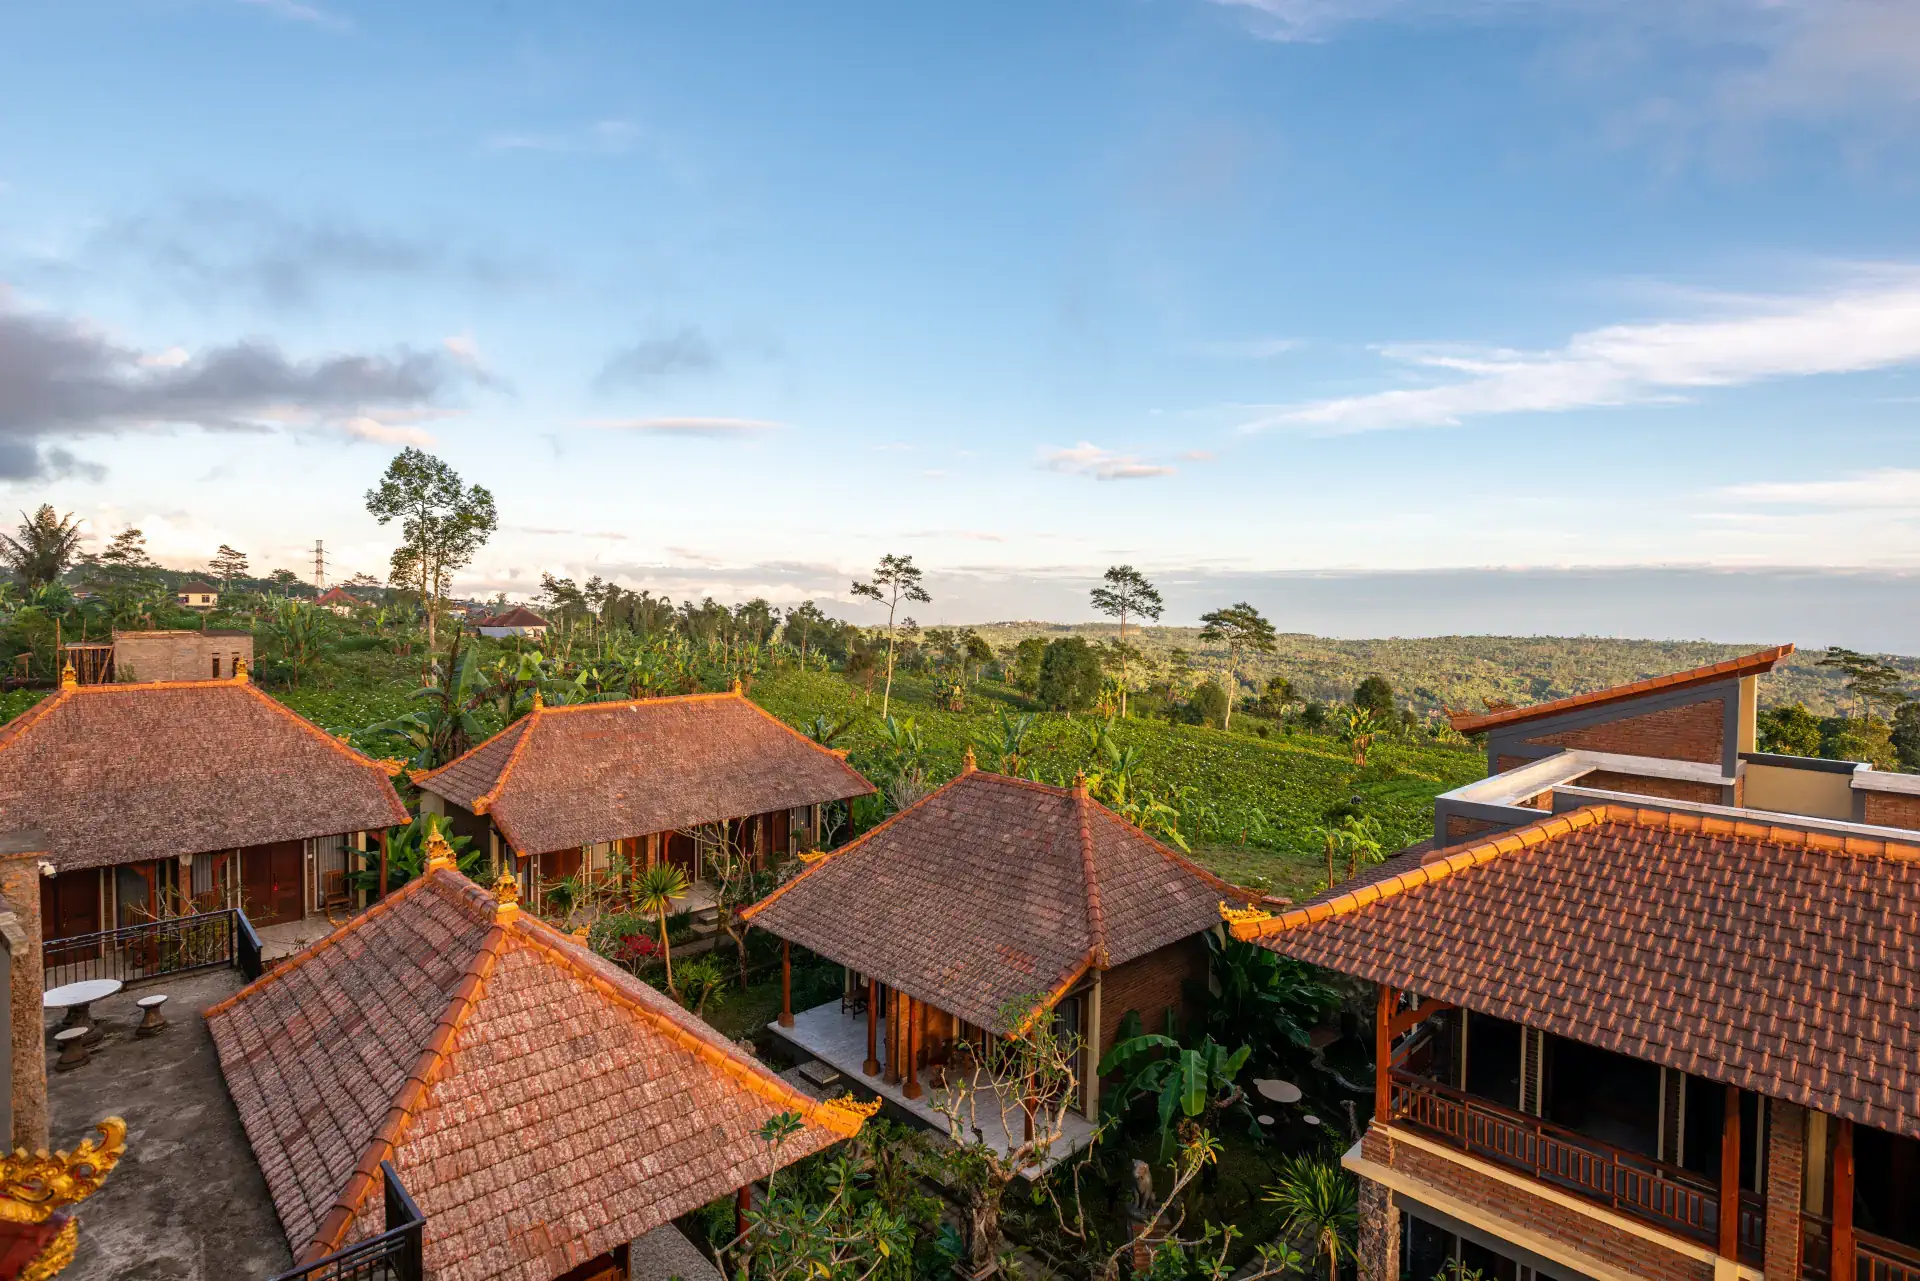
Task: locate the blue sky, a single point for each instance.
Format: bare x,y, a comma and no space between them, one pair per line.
733,298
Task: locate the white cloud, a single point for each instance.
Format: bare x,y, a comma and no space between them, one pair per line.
364,428
171,358
1895,487
1871,323
709,428
1087,459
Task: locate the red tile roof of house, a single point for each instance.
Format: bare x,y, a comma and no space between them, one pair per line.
518,616
994,891
196,588
541,1105
336,596
563,777
1747,665
1776,959
115,773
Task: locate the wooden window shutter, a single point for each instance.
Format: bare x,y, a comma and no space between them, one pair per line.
1533,1053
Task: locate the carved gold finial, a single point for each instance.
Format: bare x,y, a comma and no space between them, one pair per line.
736,685
69,679
580,935
1080,784
843,1111
240,670
33,1187
440,853
539,700
967,764
810,857
1238,917
506,895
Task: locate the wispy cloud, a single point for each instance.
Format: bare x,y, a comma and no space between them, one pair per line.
709,428
1870,323
652,359
1088,459
363,427
602,137
1896,487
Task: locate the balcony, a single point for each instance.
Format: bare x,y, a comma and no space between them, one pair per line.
155,949
1874,1258
1651,1192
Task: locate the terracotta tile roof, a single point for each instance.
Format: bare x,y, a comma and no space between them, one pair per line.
518,616
1747,665
540,1105
1768,957
562,777
197,588
336,596
114,773
994,890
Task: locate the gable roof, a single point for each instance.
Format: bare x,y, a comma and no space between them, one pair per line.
114,773
562,777
1753,664
994,890
197,588
1776,959
540,1105
518,616
336,596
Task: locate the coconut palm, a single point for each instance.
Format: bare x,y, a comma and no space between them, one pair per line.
655,891
44,548
1319,1201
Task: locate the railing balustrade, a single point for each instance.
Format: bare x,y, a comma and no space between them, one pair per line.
1660,1195
171,945
1874,1257
394,1255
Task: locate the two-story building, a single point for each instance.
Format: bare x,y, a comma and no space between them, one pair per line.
1647,1006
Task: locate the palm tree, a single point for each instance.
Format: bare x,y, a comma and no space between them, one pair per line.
656,889
1319,1200
44,549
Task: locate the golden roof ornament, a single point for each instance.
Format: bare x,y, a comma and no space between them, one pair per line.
737,687
33,1187
69,679
440,853
810,857
845,1108
539,700
240,669
506,895
580,935
967,764
1236,917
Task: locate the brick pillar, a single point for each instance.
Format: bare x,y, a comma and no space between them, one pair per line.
1786,1176
1379,1233
20,890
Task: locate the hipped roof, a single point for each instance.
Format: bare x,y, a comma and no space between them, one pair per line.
518,616
993,892
115,773
1754,664
540,1105
1775,959
563,777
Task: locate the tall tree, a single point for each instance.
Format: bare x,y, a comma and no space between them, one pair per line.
1869,679
896,579
44,548
124,576
230,563
1242,629
1127,593
801,620
443,523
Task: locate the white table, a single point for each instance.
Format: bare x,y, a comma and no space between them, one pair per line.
74,998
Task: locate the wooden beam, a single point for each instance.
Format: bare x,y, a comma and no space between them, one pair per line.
910,1037
1841,1266
383,862
1729,1247
872,1066
786,983
1383,1055
1414,1017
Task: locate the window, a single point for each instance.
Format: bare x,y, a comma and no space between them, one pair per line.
216,667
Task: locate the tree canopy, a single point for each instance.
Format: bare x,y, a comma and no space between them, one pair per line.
42,548
443,524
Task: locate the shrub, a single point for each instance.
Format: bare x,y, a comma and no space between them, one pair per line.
1069,675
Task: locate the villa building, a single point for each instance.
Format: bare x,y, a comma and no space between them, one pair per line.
991,902
156,799
197,595
567,791
338,601
537,1107
518,621
1647,1004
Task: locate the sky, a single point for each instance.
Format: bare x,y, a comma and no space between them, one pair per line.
1390,316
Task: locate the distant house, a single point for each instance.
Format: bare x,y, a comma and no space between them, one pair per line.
336,601
176,655
518,621
197,595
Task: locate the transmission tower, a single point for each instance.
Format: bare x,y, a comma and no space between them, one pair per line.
319,565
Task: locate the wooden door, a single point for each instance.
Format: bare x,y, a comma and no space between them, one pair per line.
273,880
684,854
70,904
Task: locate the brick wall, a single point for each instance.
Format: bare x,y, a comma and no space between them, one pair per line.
1690,733
1501,764
1786,1170
1672,789
1150,985
1522,1208
1460,828
1891,809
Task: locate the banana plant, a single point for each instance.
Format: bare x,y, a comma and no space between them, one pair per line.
1197,1083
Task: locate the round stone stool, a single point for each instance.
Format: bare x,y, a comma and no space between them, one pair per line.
151,1021
73,1048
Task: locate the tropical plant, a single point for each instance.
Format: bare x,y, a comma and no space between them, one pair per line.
443,523
1320,1202
300,628
407,855
1069,679
1008,743
1273,1000
1358,727
655,891
43,547
446,723
1243,630
896,579
701,982
1126,592
126,578
1198,1082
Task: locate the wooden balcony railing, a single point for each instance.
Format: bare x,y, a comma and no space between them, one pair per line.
1655,1193
153,949
1874,1258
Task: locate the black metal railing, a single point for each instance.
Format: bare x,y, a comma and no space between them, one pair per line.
1657,1194
394,1255
171,945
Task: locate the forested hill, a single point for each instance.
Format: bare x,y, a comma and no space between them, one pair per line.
1460,671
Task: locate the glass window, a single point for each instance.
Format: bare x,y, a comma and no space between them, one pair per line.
1493,1059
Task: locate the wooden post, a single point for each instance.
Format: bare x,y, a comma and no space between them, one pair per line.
894,1027
1729,1247
872,1066
910,1035
1383,1057
786,983
742,1202
1841,1267
383,862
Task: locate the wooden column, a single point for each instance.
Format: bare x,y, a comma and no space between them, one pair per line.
910,1034
872,1066
383,862
1383,1056
742,1202
1841,1267
1729,1247
894,1025
786,983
